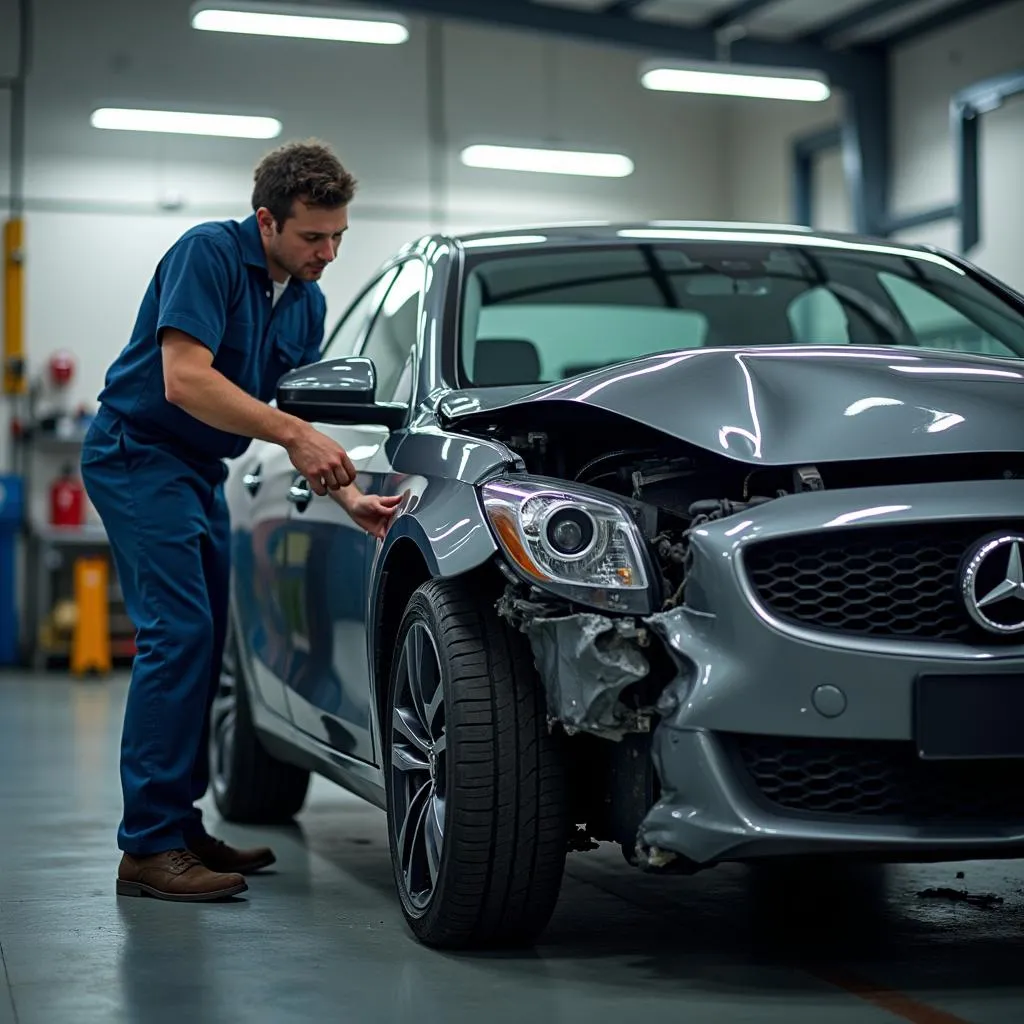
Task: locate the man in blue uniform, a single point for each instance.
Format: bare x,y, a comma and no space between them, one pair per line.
230,308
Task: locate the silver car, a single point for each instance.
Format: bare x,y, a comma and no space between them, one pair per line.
710,546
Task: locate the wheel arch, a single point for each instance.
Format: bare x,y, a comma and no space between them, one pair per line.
402,569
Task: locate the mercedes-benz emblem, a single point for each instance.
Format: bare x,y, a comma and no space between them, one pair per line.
993,584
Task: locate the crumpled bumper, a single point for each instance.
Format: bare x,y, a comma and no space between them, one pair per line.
709,810
586,662
741,674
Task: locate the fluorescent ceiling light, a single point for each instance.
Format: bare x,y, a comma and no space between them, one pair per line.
184,123
548,161
297,21
736,80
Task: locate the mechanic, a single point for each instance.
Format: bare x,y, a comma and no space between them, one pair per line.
230,308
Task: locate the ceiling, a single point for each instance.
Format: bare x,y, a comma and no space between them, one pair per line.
833,23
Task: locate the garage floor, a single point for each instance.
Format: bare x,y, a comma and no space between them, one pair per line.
321,938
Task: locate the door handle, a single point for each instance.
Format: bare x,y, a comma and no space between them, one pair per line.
300,494
253,480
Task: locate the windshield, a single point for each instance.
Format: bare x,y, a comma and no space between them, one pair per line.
541,316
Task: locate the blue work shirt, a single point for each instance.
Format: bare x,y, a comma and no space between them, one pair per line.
214,285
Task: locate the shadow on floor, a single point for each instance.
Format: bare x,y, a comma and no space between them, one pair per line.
761,929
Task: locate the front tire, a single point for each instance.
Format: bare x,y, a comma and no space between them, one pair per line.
249,786
475,780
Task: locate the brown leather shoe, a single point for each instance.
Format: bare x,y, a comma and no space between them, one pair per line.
218,856
176,875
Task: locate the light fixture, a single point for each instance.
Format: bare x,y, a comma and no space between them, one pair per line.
183,122
548,161
720,79
299,21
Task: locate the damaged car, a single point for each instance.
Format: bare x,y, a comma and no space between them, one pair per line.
711,545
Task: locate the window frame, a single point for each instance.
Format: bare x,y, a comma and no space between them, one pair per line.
1006,296
350,309
398,266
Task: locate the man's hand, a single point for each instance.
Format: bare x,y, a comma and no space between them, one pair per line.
323,462
370,511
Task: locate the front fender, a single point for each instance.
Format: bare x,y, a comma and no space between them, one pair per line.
445,520
439,530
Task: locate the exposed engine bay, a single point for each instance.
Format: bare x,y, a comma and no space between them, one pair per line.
671,488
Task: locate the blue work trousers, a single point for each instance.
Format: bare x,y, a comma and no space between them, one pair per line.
169,533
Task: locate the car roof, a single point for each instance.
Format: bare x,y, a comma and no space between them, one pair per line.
629,232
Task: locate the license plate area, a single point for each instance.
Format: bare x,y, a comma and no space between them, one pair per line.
969,716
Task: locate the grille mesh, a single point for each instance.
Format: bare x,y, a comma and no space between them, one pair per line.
880,779
895,582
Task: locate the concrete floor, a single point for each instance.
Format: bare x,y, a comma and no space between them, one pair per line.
322,938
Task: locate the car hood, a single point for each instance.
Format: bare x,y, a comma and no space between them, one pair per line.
784,406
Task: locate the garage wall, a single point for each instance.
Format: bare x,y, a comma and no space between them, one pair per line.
759,136
95,226
926,73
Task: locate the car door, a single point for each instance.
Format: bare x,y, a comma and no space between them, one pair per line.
259,550
329,686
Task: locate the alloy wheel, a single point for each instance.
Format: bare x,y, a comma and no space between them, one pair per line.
419,765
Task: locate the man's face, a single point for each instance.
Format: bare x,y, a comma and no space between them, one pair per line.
305,244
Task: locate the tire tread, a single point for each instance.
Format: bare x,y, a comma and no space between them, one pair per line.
506,835
262,789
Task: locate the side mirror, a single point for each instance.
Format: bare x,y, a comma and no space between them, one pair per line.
338,391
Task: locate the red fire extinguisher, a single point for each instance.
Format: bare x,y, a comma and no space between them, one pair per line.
67,500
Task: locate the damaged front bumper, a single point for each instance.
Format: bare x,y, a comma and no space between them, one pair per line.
757,710
586,662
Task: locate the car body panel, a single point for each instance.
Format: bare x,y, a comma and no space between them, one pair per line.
717,820
256,491
328,687
791,405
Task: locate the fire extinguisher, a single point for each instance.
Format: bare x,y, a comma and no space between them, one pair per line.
67,500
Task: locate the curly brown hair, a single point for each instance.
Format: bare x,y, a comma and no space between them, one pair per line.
301,170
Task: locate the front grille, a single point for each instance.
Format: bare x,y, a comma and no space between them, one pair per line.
894,582
878,780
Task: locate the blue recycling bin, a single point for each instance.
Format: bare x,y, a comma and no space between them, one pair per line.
12,502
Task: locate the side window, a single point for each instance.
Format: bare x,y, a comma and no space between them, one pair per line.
816,317
395,330
403,389
348,332
937,324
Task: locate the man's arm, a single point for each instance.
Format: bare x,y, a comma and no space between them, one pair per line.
192,384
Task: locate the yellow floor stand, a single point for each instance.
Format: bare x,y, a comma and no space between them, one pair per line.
90,642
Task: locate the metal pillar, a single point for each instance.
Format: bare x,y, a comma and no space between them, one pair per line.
966,109
865,144
806,150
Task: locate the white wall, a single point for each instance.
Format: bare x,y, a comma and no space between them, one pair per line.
759,140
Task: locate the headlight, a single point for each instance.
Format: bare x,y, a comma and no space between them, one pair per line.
570,543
